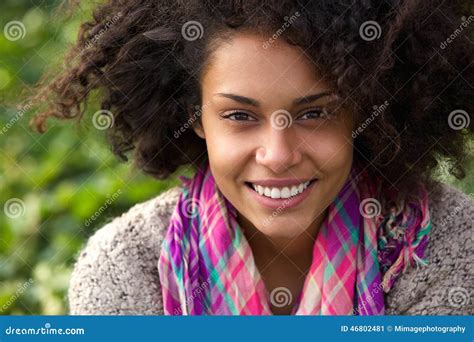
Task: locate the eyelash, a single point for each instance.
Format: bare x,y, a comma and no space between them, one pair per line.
321,111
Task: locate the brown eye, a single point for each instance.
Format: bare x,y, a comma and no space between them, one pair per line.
319,113
238,116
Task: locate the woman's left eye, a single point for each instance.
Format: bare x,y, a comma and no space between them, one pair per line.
314,114
238,116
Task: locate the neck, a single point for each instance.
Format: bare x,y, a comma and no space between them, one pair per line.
298,249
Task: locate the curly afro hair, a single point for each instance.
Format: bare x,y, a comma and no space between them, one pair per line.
412,58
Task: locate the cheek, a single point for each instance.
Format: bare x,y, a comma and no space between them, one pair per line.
331,149
227,158
225,151
225,147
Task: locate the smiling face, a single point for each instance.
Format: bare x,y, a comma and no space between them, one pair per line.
265,124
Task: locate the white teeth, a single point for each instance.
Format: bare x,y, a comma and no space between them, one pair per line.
301,188
268,192
294,190
285,192
275,193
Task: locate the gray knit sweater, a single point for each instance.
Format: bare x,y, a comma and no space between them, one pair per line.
116,273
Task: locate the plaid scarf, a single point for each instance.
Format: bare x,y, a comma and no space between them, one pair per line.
206,265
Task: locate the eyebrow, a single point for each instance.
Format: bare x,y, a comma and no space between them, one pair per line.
256,103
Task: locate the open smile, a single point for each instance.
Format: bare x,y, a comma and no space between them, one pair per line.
281,197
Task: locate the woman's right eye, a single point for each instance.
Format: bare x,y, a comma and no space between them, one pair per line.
238,116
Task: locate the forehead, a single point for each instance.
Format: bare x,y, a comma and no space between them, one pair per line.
249,65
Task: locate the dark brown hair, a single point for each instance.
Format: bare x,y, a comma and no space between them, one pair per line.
412,58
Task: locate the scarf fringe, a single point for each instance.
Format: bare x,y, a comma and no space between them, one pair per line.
395,233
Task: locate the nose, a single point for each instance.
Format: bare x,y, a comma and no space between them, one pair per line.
280,150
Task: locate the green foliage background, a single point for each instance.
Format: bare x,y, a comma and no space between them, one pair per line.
63,176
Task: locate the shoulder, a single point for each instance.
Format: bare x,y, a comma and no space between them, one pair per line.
116,271
444,286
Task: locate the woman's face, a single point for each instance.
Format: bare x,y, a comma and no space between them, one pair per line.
261,131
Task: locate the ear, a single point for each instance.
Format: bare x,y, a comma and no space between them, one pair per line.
197,127
199,131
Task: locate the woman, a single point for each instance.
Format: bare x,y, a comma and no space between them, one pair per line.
313,129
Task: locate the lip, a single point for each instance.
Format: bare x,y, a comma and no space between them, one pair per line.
279,183
282,203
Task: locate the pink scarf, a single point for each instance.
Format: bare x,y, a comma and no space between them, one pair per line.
207,267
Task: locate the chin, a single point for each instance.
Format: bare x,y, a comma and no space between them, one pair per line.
282,227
